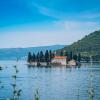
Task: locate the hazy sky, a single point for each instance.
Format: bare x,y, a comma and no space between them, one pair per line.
26,23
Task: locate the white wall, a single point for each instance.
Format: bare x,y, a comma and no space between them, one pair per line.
62,61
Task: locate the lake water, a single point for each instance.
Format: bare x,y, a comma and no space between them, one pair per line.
55,83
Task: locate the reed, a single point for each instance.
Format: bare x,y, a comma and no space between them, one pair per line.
16,91
37,95
91,91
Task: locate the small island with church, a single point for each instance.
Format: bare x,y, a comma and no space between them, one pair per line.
49,58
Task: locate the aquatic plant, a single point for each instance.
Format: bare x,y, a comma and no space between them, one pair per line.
91,91
37,95
1,85
78,93
0,68
16,92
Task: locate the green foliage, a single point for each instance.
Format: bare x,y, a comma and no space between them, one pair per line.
40,56
61,53
29,57
47,56
71,55
75,57
33,57
79,57
50,55
65,53
37,95
89,45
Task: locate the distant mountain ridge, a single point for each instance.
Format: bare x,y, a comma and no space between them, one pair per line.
21,53
89,45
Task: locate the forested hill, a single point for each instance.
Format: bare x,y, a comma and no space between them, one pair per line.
89,45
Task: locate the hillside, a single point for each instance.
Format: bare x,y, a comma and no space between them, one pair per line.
21,53
89,45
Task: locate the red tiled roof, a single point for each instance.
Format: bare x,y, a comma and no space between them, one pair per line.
60,57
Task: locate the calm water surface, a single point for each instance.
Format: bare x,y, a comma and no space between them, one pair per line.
52,83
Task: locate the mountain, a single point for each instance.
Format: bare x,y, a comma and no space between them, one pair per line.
89,45
21,53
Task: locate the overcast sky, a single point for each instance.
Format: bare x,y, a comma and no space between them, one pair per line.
29,23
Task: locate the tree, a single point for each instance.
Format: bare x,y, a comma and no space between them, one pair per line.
87,59
41,56
79,57
61,53
65,53
53,55
75,57
33,57
50,55
29,57
71,55
46,56
38,57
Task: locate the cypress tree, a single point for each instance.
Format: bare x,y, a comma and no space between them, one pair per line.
33,57
66,53
61,53
29,59
41,56
79,57
50,55
38,57
46,56
71,55
75,57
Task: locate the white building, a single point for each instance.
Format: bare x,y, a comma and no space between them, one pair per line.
72,63
60,60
